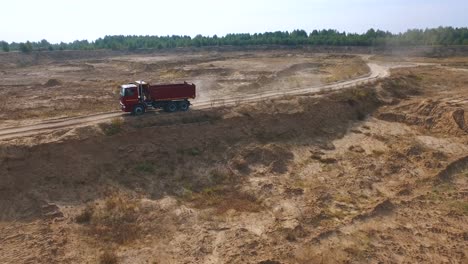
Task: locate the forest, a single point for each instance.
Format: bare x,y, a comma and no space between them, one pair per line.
328,37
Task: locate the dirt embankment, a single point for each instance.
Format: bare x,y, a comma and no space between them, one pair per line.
441,112
248,125
298,179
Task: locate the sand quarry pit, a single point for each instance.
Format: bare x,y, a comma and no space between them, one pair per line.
373,173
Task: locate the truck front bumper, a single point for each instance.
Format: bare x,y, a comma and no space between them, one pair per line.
122,107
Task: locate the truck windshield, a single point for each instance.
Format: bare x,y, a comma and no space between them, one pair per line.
126,92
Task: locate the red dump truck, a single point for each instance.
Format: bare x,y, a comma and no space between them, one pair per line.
137,97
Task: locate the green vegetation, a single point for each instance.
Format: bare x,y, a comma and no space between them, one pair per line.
331,37
5,46
25,47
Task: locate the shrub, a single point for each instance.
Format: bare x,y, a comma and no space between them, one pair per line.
108,257
113,128
85,215
116,220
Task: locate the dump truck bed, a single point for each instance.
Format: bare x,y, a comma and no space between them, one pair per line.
166,92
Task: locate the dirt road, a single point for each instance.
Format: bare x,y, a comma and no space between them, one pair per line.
376,72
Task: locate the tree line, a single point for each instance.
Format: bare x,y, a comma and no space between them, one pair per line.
328,37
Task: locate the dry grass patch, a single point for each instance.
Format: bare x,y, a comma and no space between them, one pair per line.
223,199
113,220
348,69
112,128
85,215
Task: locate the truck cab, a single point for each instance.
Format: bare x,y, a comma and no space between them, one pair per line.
128,97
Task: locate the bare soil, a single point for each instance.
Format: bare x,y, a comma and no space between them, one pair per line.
375,173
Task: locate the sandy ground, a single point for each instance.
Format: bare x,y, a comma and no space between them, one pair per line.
54,88
375,173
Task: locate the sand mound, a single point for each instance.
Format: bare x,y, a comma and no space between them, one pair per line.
436,116
402,86
452,121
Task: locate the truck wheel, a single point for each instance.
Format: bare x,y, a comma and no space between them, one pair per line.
183,106
139,110
171,107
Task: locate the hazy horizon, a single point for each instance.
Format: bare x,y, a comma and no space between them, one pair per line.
58,21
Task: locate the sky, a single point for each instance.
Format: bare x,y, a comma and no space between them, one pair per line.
67,20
